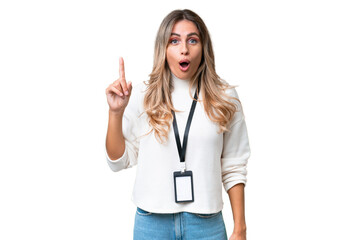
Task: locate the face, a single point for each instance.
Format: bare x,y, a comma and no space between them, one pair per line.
184,50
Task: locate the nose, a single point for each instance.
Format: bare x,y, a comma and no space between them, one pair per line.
184,49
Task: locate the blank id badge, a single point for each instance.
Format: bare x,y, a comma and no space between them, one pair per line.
184,189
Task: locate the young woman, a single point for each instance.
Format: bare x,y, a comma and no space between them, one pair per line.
178,185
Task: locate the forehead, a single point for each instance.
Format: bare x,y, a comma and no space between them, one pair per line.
184,27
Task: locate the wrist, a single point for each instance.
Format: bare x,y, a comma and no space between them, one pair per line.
240,228
119,113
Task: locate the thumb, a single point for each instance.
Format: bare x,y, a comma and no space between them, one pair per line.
129,86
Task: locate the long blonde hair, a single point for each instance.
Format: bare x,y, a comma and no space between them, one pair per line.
157,99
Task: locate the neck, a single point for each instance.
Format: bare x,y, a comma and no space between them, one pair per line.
181,84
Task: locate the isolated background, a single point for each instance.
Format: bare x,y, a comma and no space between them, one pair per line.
296,64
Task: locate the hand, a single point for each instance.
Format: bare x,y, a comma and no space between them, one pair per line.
238,236
116,95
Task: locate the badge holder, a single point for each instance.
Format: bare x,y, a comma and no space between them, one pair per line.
184,188
183,180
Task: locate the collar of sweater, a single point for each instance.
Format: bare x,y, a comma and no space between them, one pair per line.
182,85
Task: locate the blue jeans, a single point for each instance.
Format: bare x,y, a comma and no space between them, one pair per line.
179,226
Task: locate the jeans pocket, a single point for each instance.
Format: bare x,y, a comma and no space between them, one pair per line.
142,212
207,215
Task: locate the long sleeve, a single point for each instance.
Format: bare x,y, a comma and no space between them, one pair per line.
236,150
130,126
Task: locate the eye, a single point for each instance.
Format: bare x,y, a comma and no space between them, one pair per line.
172,41
193,40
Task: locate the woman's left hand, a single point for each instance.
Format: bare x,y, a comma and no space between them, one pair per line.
238,236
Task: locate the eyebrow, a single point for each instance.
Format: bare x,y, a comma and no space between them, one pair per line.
190,34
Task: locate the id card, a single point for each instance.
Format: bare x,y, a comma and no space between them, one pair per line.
184,189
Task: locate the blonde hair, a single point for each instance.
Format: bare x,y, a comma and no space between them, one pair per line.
157,99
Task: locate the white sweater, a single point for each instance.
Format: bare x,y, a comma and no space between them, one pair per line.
215,159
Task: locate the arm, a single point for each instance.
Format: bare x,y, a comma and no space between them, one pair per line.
121,147
118,96
234,159
237,200
122,141
234,175
115,142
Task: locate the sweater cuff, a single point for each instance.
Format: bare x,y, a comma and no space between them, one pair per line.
117,164
234,172
229,185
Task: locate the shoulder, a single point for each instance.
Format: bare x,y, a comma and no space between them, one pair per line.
228,89
136,100
233,96
232,92
139,88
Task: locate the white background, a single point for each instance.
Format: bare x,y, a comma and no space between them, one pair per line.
296,64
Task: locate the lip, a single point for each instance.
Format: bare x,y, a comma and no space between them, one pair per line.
184,60
184,69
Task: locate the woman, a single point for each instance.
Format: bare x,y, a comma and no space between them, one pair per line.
178,195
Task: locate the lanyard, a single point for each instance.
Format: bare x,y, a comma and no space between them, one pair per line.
182,150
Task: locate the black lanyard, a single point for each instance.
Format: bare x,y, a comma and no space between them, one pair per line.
182,150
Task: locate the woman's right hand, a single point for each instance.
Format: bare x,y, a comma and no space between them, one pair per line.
118,93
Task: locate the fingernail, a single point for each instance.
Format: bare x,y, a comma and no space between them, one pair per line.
127,92
121,94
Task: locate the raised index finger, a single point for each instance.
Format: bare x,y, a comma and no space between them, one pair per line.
121,69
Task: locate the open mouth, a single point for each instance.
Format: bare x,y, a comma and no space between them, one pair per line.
184,65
